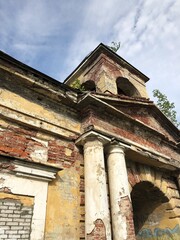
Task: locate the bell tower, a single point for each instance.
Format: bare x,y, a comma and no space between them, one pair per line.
103,71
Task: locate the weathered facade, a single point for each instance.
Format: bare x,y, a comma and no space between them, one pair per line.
98,163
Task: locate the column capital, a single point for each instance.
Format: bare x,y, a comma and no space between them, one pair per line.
115,147
92,136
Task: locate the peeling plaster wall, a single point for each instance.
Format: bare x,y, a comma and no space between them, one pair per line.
64,200
24,142
31,108
99,231
63,207
63,204
33,127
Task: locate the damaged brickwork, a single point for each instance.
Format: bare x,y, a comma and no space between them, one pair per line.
44,126
62,152
99,231
125,128
18,142
125,207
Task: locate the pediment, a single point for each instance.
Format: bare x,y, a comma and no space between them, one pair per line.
151,116
143,111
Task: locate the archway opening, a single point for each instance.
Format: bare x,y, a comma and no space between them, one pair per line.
125,87
148,203
89,85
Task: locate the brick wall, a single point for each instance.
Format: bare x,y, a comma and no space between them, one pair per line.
18,141
127,211
15,220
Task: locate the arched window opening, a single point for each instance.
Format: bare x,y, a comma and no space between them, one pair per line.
125,87
148,202
89,85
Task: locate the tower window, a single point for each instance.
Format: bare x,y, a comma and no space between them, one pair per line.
125,87
89,85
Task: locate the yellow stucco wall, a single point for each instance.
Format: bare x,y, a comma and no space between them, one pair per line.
160,225
63,206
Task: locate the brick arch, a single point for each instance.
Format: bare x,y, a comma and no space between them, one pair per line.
139,173
154,196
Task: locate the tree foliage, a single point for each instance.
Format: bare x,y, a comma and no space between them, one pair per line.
115,46
166,106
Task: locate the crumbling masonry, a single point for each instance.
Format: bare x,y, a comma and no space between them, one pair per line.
97,164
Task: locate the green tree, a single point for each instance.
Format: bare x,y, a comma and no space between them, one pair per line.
166,106
115,46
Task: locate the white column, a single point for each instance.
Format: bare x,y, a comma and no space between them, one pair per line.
96,200
119,190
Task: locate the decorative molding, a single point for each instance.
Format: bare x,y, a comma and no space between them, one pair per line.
30,169
92,135
22,177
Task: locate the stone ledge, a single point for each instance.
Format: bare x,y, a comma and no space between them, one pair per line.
29,169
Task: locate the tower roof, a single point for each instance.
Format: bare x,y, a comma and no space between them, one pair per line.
101,48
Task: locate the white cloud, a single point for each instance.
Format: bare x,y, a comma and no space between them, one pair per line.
27,25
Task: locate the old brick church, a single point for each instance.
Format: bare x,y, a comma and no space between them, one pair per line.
100,162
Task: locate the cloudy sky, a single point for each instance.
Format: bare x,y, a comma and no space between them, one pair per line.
53,36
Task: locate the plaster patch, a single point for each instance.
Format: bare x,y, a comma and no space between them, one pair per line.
68,152
39,154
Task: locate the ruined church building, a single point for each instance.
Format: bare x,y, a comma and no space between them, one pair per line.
98,163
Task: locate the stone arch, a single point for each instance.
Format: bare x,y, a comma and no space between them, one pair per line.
141,173
125,87
145,199
155,200
89,85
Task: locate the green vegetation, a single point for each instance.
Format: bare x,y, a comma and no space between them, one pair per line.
115,46
166,106
77,85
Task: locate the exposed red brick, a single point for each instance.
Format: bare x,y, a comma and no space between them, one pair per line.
131,177
129,131
82,199
17,143
5,190
81,184
127,211
57,153
24,131
99,231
